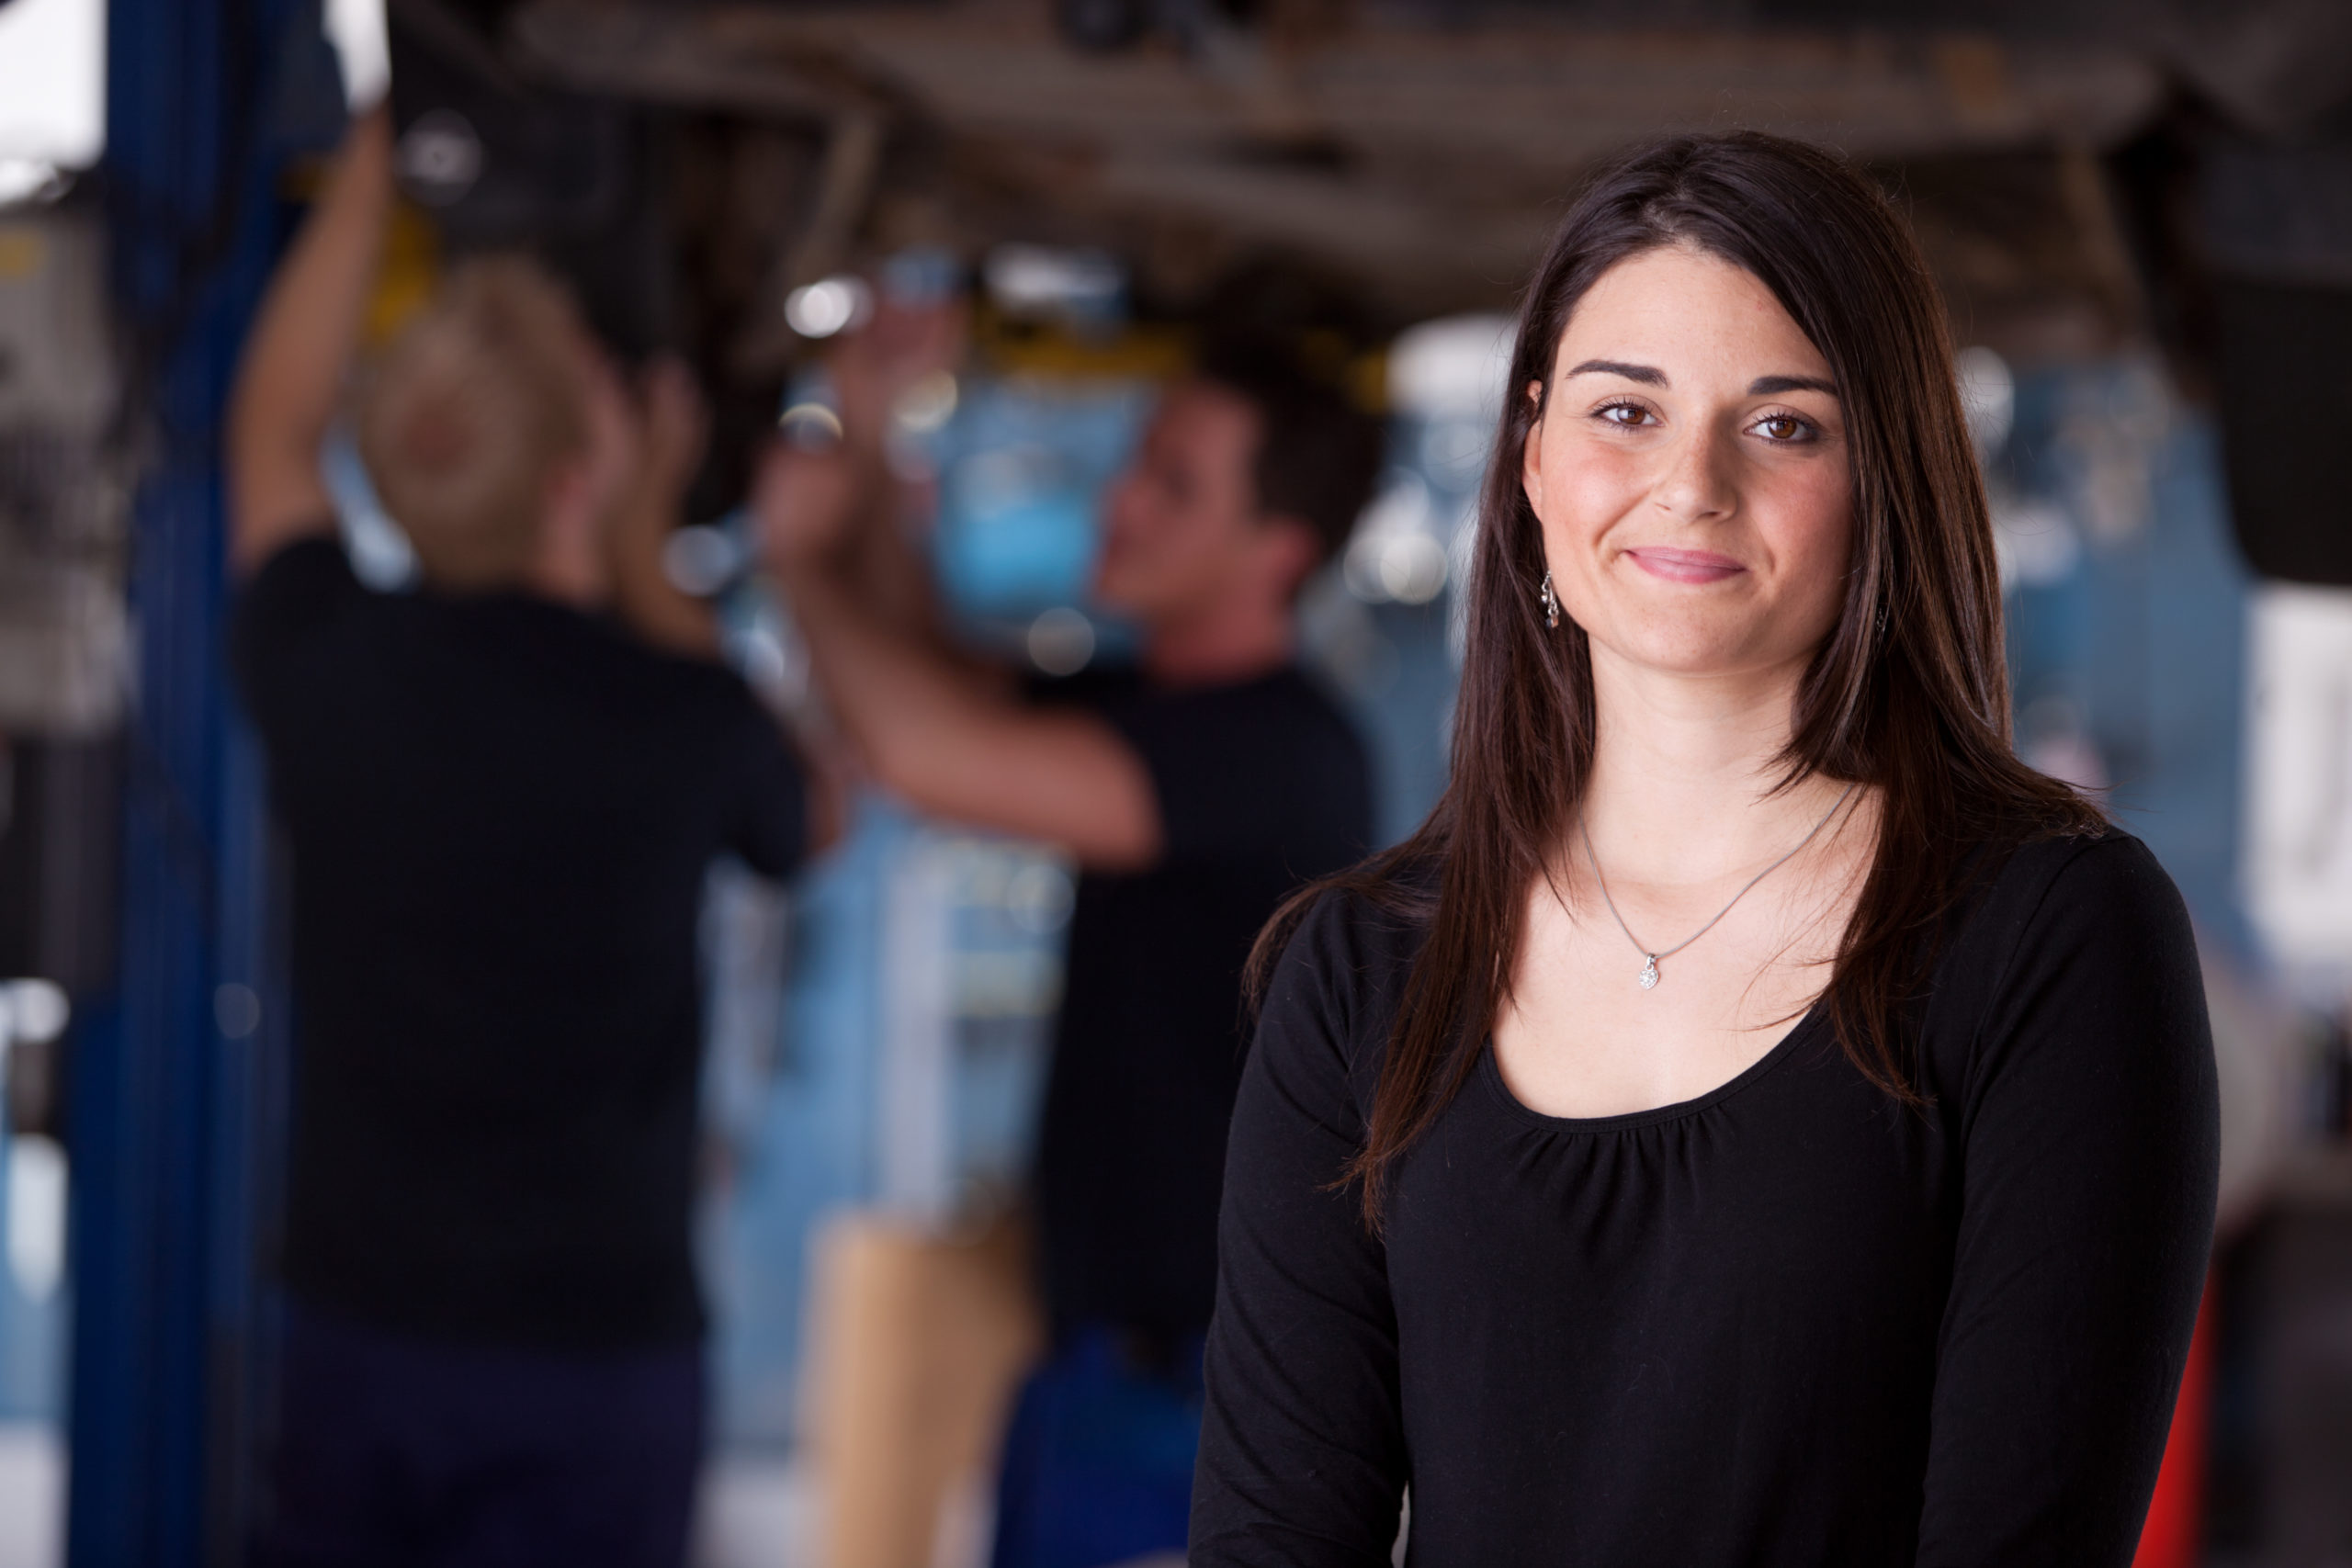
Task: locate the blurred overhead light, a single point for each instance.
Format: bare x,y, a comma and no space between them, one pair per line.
236,1011
767,662
36,1215
33,1010
439,157
700,560
928,404
1412,568
1451,368
29,179
52,85
1061,641
1041,279
828,306
809,424
2034,543
1988,398
1395,554
356,28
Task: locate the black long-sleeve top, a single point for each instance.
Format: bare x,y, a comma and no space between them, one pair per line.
1788,1322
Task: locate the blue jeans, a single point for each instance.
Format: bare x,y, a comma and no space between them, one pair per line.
1097,1460
394,1450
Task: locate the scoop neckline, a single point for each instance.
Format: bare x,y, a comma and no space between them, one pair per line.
1490,1070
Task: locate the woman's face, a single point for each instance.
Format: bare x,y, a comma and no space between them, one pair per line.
1691,471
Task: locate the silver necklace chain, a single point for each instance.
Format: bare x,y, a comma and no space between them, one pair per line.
1649,959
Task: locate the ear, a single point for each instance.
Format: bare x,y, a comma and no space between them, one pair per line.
573,508
1531,451
567,493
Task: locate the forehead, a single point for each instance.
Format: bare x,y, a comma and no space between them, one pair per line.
1681,306
1205,422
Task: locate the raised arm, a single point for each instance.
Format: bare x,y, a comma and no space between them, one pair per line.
299,350
873,369
674,427
2091,1142
927,729
1303,1459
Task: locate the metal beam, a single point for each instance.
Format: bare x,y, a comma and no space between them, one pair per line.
173,1131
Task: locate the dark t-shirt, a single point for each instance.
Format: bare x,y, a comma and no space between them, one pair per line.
1261,786
1788,1322
501,811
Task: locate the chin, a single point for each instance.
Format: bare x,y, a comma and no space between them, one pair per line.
1695,651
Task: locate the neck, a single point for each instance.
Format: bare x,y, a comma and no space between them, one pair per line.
1231,640
1684,771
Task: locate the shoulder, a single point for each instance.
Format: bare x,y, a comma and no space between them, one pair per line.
1324,1018
301,578
1096,686
712,697
1313,751
1302,707
1354,944
703,679
617,652
1284,708
308,557
2080,946
286,615
2108,881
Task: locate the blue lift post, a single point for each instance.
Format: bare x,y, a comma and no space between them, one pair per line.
175,1131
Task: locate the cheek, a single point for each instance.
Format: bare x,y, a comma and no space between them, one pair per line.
1586,486
1807,518
1807,522
1141,532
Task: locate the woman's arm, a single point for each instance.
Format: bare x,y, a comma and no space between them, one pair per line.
1302,1449
2091,1142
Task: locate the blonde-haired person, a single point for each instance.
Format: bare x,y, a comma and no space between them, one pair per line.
502,801
478,405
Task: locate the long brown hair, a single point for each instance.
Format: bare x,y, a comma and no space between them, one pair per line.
1908,694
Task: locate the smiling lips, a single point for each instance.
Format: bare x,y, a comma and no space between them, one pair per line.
1685,566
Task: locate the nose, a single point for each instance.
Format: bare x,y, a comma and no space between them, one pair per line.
1698,484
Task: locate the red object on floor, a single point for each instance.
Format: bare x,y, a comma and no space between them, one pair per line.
2173,1535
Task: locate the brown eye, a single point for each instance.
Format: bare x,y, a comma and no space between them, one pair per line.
1628,414
1783,427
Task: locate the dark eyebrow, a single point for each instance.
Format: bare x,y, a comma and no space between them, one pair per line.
1647,376
1765,385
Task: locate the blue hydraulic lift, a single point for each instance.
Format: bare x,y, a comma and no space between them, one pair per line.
173,1127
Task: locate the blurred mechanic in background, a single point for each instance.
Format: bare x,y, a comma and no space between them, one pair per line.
1193,792
501,806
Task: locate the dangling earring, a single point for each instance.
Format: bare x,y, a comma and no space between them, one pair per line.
1551,603
1879,635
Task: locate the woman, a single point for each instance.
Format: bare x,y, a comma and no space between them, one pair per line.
1756,1120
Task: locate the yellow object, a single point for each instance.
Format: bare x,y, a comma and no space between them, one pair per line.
406,277
21,253
1013,347
916,1346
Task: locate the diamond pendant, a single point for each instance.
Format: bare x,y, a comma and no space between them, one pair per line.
1649,970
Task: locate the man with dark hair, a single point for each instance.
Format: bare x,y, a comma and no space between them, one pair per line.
1193,792
501,806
